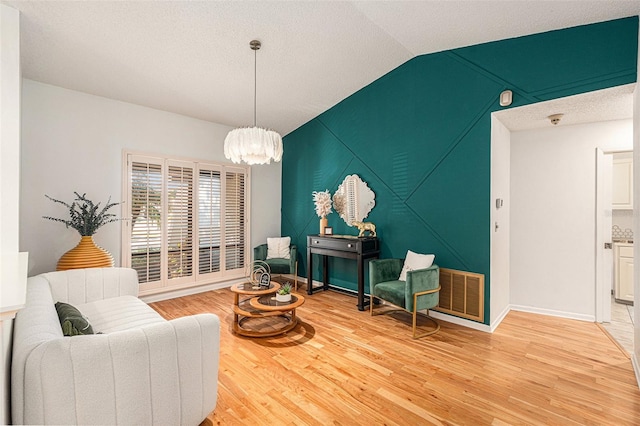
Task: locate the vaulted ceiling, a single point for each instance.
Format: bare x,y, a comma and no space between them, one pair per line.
193,57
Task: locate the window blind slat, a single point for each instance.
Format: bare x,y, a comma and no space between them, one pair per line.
209,206
179,222
146,219
234,221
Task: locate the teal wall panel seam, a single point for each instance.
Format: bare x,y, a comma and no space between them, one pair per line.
506,84
465,131
625,77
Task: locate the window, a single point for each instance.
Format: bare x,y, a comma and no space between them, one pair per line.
209,221
186,221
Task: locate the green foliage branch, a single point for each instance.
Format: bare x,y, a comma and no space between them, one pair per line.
85,216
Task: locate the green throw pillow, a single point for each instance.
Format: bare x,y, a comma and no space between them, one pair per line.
72,321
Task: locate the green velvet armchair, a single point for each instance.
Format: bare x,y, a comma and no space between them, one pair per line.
419,292
280,266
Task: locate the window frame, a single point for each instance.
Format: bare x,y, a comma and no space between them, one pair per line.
196,278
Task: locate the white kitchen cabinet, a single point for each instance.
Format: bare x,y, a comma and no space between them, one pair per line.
623,276
622,196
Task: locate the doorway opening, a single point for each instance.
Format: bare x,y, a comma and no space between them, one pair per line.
551,195
619,231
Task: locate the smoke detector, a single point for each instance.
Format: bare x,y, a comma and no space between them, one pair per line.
555,118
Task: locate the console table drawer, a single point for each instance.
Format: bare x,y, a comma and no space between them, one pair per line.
335,244
354,245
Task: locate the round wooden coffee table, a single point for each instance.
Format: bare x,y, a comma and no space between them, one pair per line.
260,315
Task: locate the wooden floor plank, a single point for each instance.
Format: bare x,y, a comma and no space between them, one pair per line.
341,366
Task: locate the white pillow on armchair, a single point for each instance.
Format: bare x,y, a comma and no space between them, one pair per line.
278,248
414,261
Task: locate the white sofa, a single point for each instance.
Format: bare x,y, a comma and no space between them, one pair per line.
141,370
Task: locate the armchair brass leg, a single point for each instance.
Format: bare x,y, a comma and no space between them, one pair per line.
428,333
372,299
393,308
382,311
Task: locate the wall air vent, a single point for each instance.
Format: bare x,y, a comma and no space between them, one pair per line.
462,294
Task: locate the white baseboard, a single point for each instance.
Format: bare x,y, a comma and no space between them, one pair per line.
553,313
500,318
157,297
460,321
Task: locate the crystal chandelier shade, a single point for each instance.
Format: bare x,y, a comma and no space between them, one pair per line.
253,145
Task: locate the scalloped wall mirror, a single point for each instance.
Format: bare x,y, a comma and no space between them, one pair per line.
354,199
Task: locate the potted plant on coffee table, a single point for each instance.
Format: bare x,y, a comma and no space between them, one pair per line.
284,293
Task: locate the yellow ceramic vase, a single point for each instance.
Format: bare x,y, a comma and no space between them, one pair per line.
85,255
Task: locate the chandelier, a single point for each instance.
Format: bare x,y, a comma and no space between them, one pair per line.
253,145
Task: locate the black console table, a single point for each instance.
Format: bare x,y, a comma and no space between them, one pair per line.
358,248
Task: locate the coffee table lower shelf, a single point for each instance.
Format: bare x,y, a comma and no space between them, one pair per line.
262,317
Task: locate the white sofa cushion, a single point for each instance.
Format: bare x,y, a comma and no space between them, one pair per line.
77,286
118,314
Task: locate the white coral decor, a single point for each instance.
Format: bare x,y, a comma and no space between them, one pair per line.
322,199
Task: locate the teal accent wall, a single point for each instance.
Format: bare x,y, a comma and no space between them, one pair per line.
420,136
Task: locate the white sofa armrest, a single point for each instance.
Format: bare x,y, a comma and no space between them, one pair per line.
163,373
77,286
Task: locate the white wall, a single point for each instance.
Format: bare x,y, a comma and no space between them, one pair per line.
500,247
12,277
553,215
636,222
72,141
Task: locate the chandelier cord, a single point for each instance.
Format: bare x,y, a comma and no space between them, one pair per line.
253,145
255,86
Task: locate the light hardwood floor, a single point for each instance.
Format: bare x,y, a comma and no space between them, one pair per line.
621,325
344,367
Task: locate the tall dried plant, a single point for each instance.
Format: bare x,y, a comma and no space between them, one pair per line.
322,199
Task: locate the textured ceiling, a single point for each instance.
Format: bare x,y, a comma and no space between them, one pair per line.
615,103
193,57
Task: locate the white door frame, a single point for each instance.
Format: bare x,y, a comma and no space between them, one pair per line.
604,256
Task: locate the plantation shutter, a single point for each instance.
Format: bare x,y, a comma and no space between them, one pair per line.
186,222
179,221
234,228
209,208
146,220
